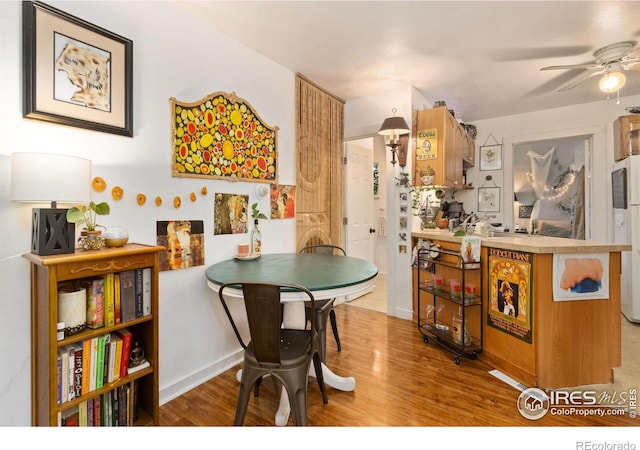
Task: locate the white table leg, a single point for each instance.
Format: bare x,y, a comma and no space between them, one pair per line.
346,384
284,409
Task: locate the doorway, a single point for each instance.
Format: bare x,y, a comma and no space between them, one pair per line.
365,212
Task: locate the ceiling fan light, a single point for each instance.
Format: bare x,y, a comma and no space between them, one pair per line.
612,82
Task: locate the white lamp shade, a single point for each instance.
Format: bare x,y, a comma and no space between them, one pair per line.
44,177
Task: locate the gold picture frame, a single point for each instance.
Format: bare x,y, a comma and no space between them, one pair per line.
54,45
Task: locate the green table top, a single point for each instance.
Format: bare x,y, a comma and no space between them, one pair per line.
316,272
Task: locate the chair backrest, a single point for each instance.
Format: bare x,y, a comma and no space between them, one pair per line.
328,249
262,303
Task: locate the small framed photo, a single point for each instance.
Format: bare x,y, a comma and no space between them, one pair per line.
489,199
491,157
75,73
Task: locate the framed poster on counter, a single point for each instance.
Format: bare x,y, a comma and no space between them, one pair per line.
509,307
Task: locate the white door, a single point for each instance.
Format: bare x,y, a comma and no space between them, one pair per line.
360,231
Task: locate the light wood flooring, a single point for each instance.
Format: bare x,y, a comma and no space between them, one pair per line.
400,382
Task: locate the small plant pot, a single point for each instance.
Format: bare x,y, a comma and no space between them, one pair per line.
91,240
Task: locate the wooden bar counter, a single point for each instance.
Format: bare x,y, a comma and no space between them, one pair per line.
566,342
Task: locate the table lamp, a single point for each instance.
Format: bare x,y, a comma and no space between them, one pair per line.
44,177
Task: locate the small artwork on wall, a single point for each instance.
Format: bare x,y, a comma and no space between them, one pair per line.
184,243
283,201
230,213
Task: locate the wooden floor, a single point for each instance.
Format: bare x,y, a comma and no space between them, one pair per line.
400,381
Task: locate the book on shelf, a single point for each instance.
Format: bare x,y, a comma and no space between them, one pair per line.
126,337
127,295
105,361
116,294
69,417
139,292
109,300
92,364
83,420
138,368
146,291
97,411
117,357
95,303
102,342
59,377
90,412
112,359
86,365
77,369
64,375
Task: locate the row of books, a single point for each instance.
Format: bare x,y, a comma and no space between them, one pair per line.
115,408
118,297
90,364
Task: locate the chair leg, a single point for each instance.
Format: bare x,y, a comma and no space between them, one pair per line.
334,327
256,390
317,365
321,328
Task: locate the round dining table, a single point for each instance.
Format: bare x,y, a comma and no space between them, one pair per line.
326,276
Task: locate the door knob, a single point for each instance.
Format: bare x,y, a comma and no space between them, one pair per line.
372,230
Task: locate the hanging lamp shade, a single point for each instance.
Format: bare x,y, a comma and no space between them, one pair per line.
394,126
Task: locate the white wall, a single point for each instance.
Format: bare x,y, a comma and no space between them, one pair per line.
188,62
174,56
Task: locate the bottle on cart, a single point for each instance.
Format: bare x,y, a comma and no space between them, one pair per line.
459,330
256,239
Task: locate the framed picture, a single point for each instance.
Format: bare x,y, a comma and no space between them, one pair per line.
489,199
55,46
227,139
491,157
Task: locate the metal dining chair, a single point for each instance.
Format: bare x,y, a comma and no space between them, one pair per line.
283,353
324,308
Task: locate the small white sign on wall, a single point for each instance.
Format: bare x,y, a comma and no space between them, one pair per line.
580,276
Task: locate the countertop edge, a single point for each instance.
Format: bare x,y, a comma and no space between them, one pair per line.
532,244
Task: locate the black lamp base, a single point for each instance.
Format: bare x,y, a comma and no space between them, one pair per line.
51,234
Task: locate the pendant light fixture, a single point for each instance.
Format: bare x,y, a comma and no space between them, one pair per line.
394,127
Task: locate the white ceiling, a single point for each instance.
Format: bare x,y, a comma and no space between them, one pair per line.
482,58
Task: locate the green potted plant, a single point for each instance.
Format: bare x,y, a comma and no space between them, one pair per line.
86,215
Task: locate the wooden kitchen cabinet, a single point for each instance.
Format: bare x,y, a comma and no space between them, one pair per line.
469,157
622,136
447,148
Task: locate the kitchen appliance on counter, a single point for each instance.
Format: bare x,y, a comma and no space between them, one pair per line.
625,181
454,211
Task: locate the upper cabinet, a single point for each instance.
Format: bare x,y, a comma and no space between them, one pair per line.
443,144
626,136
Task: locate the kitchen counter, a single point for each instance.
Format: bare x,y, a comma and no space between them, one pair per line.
557,337
528,243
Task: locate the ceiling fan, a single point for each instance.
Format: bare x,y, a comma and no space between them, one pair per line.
610,61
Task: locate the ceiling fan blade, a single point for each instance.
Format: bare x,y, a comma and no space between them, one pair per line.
589,66
633,66
585,76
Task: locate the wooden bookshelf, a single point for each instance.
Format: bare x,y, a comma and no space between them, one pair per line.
47,272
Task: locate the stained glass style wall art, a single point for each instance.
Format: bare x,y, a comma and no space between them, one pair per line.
222,137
